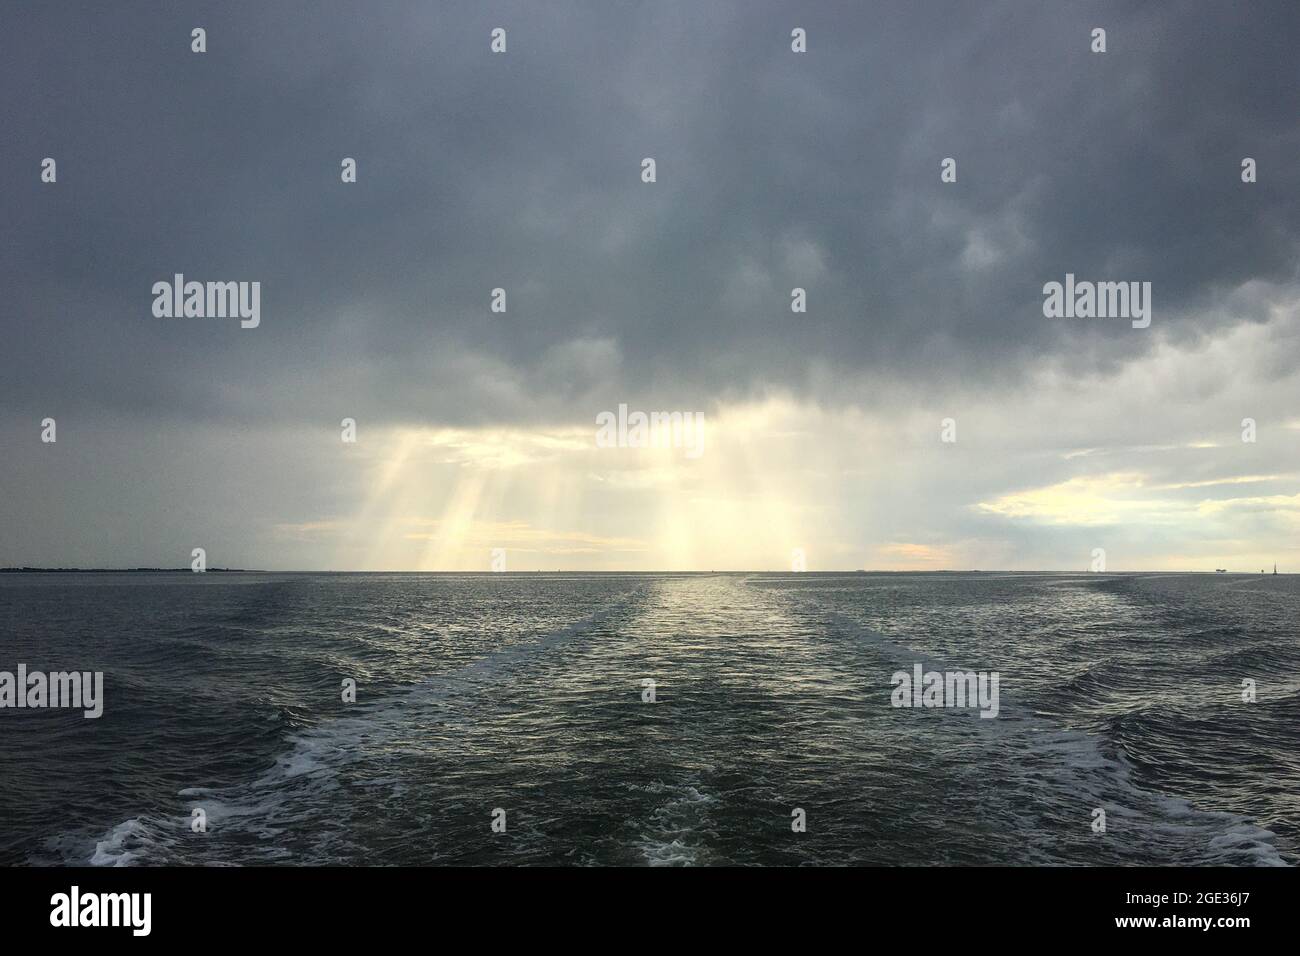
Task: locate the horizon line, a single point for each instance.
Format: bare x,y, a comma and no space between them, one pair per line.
186,570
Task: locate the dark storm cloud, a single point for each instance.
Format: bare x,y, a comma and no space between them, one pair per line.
522,171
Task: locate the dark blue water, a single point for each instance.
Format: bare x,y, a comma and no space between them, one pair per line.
524,693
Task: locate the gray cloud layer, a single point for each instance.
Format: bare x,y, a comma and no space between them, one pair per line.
522,171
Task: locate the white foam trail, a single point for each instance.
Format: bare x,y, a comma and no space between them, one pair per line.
1225,834
315,755
675,821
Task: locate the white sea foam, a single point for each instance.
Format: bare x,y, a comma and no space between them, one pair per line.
317,754
1084,770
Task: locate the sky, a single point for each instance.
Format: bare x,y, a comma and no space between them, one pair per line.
476,431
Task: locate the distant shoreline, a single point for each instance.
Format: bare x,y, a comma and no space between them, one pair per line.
26,570
1100,574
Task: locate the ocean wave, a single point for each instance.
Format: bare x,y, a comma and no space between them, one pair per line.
296,789
1028,750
